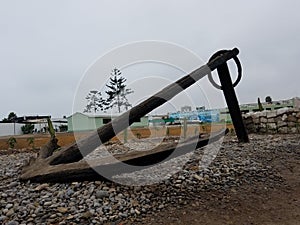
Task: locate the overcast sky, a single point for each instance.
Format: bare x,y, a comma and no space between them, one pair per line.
46,46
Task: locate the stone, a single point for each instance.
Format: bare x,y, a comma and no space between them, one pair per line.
262,130
291,124
161,206
41,187
263,125
62,209
281,124
47,203
69,192
198,177
2,218
272,131
278,118
53,216
271,126
271,114
13,222
9,205
70,217
263,120
132,211
102,194
10,212
13,184
256,120
293,130
283,130
86,215
284,117
291,118
282,111
124,215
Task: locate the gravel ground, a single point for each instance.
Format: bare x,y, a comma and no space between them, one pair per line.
219,167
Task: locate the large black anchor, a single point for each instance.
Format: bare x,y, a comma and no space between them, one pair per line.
63,165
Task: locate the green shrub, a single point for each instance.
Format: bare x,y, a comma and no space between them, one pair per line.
27,128
30,141
138,135
167,131
63,128
12,142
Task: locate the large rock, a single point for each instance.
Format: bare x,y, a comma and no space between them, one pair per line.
293,130
291,118
271,114
281,124
271,126
283,111
263,120
282,130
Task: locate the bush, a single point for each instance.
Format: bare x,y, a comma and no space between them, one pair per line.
27,128
12,142
138,135
30,141
63,128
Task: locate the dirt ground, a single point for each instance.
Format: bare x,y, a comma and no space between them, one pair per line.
268,196
252,203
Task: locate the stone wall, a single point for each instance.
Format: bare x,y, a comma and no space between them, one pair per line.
282,121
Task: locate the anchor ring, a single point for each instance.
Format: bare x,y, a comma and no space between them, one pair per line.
239,68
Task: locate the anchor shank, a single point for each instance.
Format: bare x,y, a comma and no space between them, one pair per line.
232,102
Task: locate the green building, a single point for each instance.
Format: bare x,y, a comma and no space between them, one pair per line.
83,122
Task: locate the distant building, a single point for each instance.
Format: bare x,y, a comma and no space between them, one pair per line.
40,125
206,116
186,108
83,122
10,129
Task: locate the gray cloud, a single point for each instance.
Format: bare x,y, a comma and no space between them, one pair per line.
45,46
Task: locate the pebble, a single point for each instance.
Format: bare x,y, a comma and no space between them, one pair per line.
41,187
10,212
12,223
13,184
102,202
102,194
2,218
62,209
8,206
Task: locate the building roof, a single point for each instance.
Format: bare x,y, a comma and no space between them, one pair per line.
98,115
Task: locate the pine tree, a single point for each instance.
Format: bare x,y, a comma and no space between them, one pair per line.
117,91
95,102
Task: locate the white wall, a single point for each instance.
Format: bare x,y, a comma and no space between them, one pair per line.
7,129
